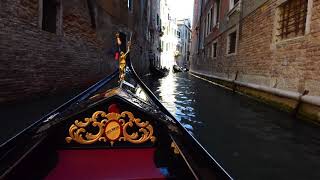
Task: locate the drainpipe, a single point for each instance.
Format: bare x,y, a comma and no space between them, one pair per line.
199,37
234,87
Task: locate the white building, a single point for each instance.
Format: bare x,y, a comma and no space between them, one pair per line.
184,35
169,38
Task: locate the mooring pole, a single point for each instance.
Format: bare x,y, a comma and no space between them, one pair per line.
234,84
296,109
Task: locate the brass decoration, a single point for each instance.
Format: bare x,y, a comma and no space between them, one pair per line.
122,59
175,148
173,128
113,127
113,130
111,92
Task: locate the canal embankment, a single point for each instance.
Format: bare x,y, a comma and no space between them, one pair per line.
301,105
250,139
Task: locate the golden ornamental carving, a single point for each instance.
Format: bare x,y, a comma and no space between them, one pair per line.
113,127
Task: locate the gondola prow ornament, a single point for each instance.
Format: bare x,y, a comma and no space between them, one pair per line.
122,59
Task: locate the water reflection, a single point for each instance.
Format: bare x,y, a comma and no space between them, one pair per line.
167,91
251,140
176,94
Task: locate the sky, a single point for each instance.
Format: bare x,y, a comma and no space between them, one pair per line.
181,8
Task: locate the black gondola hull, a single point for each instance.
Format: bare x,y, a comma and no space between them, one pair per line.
100,131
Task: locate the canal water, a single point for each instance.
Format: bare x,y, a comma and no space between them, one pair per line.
18,116
250,140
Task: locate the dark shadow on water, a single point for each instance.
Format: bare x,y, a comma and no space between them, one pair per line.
16,117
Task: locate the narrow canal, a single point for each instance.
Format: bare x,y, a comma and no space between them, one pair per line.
251,140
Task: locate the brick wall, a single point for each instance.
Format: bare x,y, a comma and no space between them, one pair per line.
35,62
253,59
292,64
25,10
77,23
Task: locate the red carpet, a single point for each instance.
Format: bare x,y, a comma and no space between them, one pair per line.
106,164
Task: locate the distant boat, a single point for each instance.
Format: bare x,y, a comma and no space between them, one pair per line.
159,72
177,68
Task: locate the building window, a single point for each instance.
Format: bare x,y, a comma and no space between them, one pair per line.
49,16
208,52
233,3
292,19
202,37
208,22
130,5
232,42
215,13
218,11
178,34
214,50
206,25
211,20
158,20
92,14
185,34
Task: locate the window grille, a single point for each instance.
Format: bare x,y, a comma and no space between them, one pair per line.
292,21
130,5
214,50
232,42
233,3
49,16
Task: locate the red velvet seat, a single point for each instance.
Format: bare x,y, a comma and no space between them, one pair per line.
106,164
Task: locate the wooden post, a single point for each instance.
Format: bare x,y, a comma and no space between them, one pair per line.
234,87
296,109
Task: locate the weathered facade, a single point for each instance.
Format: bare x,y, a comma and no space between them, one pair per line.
291,64
184,36
155,32
274,44
169,38
50,46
